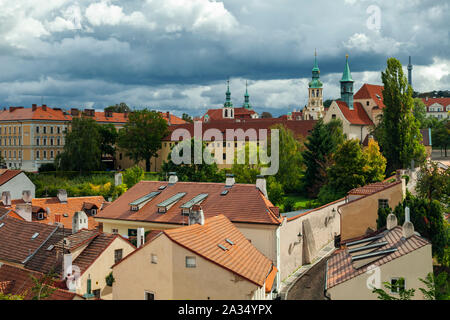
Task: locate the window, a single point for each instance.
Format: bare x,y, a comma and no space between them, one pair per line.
333,116
224,156
40,216
397,285
51,130
45,129
154,258
44,141
96,293
115,231
383,203
58,130
51,154
132,232
367,103
37,141
149,295
190,262
58,141
118,255
45,154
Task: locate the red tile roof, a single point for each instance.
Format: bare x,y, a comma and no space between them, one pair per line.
299,128
16,240
239,113
371,91
372,188
341,269
241,257
357,116
442,101
243,203
58,209
8,175
41,113
17,281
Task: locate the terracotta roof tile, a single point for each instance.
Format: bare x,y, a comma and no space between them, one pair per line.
19,282
340,267
372,188
371,91
241,257
239,113
243,203
41,113
445,102
16,238
58,209
8,175
356,116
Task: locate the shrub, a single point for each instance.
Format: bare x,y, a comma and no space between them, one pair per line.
133,175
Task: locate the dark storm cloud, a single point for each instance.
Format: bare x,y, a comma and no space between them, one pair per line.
178,53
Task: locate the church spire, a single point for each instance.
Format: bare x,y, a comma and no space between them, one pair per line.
315,82
347,85
246,97
228,103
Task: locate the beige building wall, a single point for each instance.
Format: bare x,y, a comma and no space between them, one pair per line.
360,215
170,279
102,267
324,223
352,131
411,267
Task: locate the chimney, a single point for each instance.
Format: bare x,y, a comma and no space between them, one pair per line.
25,211
26,196
57,218
230,181
140,237
173,178
48,211
261,185
6,198
33,107
62,195
408,227
168,117
74,112
391,221
196,215
117,179
67,264
398,175
79,221
44,107
125,115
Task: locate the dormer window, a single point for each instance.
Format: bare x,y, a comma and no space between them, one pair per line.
186,208
136,205
40,216
164,206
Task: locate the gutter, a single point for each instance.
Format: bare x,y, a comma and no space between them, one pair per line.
325,294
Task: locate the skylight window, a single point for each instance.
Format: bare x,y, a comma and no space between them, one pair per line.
50,247
2,224
196,200
229,241
35,236
137,204
222,247
224,192
167,204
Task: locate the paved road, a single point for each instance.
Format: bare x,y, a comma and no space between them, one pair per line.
311,285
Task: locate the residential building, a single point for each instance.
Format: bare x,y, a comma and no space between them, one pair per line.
370,96
353,271
32,136
162,205
208,260
60,209
315,109
17,281
437,107
87,254
359,213
16,183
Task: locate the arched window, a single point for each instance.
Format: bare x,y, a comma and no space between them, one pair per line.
226,113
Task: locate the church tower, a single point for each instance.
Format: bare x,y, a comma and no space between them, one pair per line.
315,109
347,86
246,104
228,110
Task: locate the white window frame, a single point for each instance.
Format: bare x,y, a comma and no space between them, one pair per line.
150,292
191,265
404,284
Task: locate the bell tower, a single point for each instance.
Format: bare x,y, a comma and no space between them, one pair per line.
228,110
315,109
347,86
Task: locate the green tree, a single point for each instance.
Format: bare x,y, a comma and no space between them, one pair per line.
187,118
440,135
202,172
375,163
42,286
290,160
141,136
266,115
108,139
133,175
119,108
420,112
437,287
320,146
10,297
433,183
348,170
275,191
399,133
82,147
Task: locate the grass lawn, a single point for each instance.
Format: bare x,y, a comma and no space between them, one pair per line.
301,202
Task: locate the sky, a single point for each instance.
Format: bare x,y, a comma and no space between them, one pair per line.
176,55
